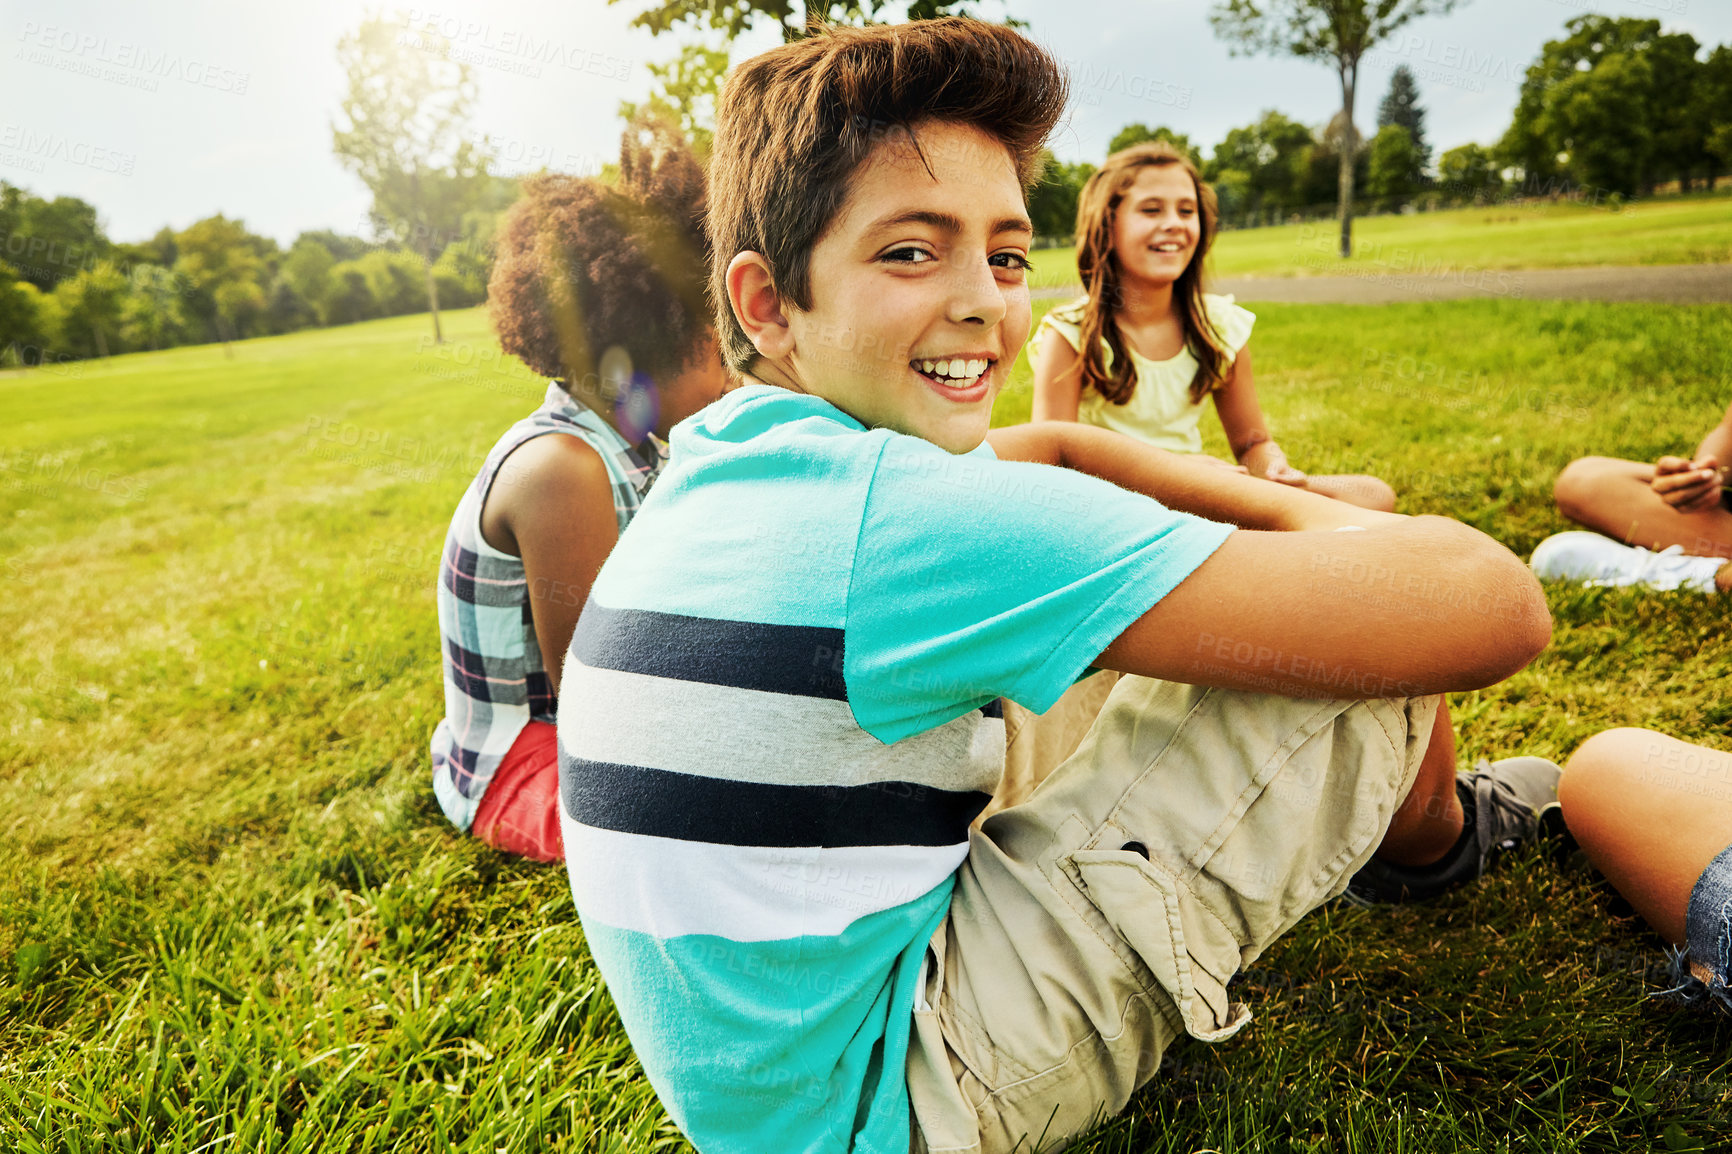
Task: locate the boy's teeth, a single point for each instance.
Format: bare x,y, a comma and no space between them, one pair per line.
956,368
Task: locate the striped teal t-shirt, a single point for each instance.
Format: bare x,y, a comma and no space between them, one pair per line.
779,714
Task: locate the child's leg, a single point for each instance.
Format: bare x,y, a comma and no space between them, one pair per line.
1356,489
1100,921
519,813
1613,497
1655,815
1429,820
1651,812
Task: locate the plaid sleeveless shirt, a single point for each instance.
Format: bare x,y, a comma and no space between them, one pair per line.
495,678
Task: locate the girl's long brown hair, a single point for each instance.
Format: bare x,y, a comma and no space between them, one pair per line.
1100,274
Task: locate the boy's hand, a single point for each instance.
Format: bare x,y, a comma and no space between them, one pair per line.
1687,486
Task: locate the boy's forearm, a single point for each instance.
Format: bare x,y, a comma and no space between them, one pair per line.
1188,484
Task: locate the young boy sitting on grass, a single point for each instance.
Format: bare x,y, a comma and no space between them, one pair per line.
780,705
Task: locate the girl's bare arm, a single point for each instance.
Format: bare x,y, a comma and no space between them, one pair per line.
1188,482
1057,379
552,505
1718,442
1247,430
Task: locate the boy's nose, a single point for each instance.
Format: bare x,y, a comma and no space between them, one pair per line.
976,297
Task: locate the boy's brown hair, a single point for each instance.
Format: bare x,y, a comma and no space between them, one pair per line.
794,123
1097,209
582,265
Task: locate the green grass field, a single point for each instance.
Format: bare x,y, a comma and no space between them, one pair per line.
1679,230
233,919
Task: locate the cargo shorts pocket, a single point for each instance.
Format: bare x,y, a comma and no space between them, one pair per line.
1188,951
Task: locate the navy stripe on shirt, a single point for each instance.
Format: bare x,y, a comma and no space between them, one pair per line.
687,807
804,660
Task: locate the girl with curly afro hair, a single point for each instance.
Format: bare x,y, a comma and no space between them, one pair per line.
600,286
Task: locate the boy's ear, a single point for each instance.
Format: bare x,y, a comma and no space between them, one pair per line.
758,306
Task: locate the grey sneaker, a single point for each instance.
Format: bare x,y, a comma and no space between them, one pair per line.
1504,803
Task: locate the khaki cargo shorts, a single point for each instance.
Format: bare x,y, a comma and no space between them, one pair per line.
1099,917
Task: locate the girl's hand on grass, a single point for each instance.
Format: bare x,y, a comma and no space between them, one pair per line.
1687,486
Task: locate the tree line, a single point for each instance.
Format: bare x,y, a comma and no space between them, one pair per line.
1608,111
68,291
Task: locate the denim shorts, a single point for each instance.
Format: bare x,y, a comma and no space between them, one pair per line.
1702,971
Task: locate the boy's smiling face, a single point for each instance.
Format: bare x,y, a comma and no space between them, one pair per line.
919,290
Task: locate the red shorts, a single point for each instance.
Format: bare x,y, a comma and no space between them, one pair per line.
519,813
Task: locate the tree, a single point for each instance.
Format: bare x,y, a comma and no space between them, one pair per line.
462,280
1338,32
1393,161
1052,203
1321,183
224,268
20,315
393,280
56,238
686,93
151,314
91,303
1610,105
349,299
404,115
307,270
339,246
158,250
1401,106
1681,121
286,310
1468,173
1141,134
11,211
734,18
1714,95
1272,155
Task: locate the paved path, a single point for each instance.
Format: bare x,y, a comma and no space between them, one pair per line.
1376,285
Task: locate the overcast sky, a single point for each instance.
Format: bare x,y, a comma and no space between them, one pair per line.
167,111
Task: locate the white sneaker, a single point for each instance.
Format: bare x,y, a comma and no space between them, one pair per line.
1599,560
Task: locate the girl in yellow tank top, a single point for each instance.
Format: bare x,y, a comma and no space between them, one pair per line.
1143,364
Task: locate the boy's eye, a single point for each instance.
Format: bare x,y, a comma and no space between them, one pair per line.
908,255
1011,260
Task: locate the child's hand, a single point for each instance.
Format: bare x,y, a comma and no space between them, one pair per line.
1687,486
1286,474
1266,460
